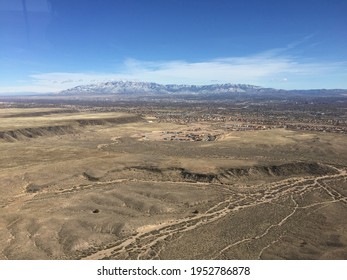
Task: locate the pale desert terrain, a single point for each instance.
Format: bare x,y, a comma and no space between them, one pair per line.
107,185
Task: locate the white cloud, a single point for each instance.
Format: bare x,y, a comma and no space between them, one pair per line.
57,81
265,69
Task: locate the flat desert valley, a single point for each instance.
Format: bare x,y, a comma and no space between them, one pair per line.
80,183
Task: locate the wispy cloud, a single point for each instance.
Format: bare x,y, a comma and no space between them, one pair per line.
262,69
57,81
271,69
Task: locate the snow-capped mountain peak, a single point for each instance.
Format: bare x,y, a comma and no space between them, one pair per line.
130,87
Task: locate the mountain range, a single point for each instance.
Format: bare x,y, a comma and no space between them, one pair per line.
145,88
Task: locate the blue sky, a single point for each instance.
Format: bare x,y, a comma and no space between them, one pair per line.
50,45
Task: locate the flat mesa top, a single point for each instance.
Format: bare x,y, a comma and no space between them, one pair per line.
24,118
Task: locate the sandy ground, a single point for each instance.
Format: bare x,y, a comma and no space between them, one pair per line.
94,189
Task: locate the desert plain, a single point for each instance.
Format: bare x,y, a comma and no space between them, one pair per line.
96,184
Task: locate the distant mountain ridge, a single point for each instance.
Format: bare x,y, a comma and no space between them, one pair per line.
130,87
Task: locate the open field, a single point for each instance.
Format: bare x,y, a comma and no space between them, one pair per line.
79,184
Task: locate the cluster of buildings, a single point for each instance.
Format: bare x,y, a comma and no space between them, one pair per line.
322,128
243,123
187,136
